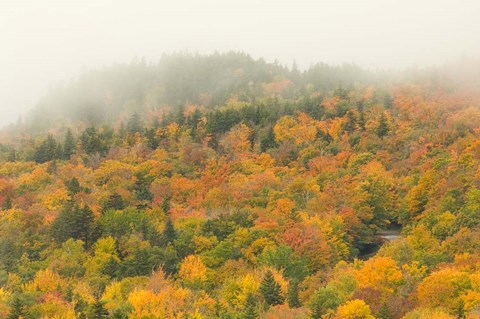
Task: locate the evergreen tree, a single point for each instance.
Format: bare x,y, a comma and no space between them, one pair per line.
12,155
316,312
150,135
268,141
7,204
135,124
68,145
166,206
361,120
98,310
92,142
115,202
388,101
74,222
341,93
17,310
292,295
351,123
169,233
270,290
384,312
382,128
73,187
142,188
48,150
250,309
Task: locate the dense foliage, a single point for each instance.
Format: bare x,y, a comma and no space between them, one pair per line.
242,189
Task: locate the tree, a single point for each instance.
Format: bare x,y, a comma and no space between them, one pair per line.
292,295
114,201
250,309
68,145
74,222
169,233
384,312
98,310
351,123
48,150
193,272
382,128
354,309
324,301
73,187
92,142
17,311
270,290
268,140
142,188
135,124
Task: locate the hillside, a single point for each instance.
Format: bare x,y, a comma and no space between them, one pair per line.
226,187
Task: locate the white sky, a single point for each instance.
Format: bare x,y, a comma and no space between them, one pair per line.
43,42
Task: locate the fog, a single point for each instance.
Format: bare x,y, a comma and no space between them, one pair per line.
44,42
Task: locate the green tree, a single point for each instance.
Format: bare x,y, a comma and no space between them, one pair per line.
68,145
384,312
268,140
169,232
142,188
48,150
250,309
270,290
73,187
115,202
323,301
92,142
382,128
292,295
98,310
351,123
74,222
17,310
135,124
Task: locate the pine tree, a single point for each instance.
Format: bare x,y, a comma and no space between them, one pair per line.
98,310
135,124
270,290
92,142
316,312
166,206
292,295
250,309
361,120
68,145
382,128
12,155
384,312
17,310
351,123
115,202
48,150
73,187
74,222
169,233
268,141
142,188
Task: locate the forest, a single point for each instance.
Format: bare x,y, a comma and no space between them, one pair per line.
221,186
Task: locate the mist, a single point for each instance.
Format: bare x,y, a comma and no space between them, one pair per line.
44,43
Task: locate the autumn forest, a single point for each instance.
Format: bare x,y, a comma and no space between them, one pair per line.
222,186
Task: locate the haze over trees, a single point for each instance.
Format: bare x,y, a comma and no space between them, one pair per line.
226,187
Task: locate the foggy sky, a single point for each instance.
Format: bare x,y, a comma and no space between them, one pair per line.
43,42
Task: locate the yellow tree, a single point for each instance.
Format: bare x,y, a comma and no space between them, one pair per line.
380,273
354,309
193,272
